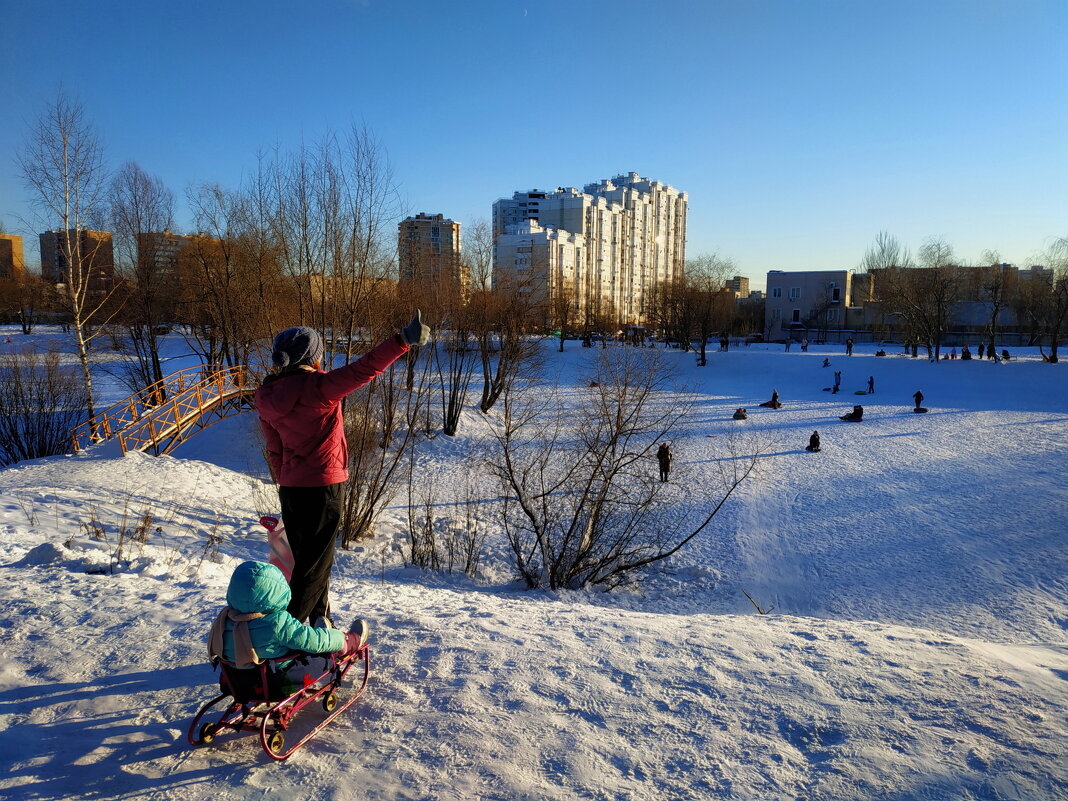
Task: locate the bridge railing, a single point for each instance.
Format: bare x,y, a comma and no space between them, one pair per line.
185,411
148,402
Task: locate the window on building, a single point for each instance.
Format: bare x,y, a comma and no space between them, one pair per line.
836,293
776,292
797,316
795,293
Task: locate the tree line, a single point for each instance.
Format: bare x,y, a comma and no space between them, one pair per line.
922,295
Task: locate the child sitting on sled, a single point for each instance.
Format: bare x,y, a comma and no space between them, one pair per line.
254,626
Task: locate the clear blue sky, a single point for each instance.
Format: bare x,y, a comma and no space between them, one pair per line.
799,129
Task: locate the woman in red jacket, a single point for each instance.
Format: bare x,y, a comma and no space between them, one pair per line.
300,413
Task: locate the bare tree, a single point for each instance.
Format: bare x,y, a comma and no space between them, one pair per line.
995,289
885,252
711,308
381,423
40,402
62,164
478,254
1044,303
923,297
25,298
455,351
230,269
581,498
142,213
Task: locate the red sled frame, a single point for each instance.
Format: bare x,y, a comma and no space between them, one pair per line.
272,717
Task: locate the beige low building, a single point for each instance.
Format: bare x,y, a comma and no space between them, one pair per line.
816,301
12,263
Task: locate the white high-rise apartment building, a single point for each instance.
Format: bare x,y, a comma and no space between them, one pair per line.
633,231
540,261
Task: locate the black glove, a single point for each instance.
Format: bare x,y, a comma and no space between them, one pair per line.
416,333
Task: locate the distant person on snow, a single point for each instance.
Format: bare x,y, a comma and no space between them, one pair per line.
255,626
871,385
814,442
663,455
837,382
855,416
774,402
965,354
300,413
918,397
981,350
1004,355
740,414
849,346
826,362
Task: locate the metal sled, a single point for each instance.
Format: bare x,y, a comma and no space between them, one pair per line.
260,704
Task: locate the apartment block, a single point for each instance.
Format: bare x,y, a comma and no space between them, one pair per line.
819,299
428,250
739,285
541,262
85,254
633,230
12,263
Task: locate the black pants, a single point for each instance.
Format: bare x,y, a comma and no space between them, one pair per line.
311,516
664,473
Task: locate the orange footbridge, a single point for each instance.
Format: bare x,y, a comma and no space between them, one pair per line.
160,417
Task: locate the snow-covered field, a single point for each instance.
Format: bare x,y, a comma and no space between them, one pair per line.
918,646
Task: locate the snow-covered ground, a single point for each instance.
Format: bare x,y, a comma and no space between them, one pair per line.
918,647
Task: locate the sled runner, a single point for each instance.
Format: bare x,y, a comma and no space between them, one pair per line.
261,701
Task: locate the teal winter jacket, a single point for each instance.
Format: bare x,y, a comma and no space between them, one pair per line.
259,587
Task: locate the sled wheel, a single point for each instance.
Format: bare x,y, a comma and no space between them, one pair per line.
207,733
276,742
330,702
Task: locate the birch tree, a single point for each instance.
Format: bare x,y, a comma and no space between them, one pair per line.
62,165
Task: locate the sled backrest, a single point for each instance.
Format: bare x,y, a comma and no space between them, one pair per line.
266,681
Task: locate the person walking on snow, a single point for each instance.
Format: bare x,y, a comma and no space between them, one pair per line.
871,385
918,397
300,414
663,455
849,346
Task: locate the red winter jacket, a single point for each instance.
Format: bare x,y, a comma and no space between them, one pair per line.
300,413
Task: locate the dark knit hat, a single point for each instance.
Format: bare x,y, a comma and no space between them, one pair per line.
297,345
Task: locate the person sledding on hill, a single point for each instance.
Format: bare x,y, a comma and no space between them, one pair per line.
774,402
814,442
855,416
300,413
255,626
740,414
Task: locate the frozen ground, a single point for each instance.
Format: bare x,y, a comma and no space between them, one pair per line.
918,648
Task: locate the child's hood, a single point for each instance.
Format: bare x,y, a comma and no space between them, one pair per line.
258,587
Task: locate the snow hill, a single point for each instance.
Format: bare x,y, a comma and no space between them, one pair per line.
917,648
